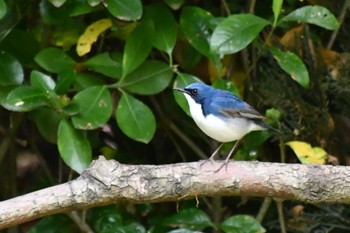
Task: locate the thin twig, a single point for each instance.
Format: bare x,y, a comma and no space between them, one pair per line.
263,209
73,215
279,204
341,20
251,6
226,7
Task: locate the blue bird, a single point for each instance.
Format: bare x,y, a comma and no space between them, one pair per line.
221,115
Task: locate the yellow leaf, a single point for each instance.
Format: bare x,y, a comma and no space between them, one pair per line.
307,154
91,34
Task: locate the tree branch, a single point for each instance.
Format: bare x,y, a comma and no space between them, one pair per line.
106,182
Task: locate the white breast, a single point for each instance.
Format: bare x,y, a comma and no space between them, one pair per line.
220,129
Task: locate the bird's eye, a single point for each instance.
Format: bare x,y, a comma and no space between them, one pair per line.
194,91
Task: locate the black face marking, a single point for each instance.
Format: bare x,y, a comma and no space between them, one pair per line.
192,92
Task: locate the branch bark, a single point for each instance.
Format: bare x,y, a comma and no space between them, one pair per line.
106,182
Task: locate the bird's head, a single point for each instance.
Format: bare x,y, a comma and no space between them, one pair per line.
197,91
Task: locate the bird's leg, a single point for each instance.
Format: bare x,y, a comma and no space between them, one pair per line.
211,158
229,156
215,152
232,150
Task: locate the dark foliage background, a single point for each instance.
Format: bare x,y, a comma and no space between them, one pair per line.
89,77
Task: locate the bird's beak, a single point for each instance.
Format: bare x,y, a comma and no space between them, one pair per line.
181,90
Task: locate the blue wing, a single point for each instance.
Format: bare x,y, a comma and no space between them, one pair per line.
228,105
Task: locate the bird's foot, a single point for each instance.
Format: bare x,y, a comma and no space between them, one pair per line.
225,164
211,160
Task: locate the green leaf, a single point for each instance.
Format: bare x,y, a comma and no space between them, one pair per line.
131,228
65,79
85,80
196,25
183,80
4,91
130,10
105,218
150,78
47,122
183,230
242,224
135,119
54,60
22,45
42,81
104,64
11,72
95,105
292,65
53,15
136,49
164,27
191,218
276,8
226,85
24,98
94,2
175,4
57,3
74,148
317,15
66,34
3,9
57,223
235,32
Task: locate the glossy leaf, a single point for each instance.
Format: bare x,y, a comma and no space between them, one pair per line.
131,228
236,32
136,49
53,15
183,230
11,72
91,34
4,91
74,148
135,119
104,64
164,27
182,80
150,78
47,122
54,60
191,218
3,9
130,10
292,65
242,224
276,8
24,98
95,107
175,4
57,3
196,25
85,80
317,15
42,81
65,79
94,2
307,154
